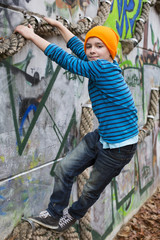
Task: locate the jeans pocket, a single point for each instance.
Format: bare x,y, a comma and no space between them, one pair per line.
123,153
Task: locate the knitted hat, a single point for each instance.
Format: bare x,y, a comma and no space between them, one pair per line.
107,35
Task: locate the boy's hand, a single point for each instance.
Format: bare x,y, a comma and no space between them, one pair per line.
52,22
26,32
65,32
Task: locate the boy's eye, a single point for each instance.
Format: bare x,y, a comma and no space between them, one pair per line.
98,46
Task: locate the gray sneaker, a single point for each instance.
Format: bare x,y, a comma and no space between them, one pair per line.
46,220
65,222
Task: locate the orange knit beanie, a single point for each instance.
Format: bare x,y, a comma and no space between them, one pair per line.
107,35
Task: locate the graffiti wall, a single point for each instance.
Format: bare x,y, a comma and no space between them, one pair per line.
41,106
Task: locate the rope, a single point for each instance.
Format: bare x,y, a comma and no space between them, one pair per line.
157,6
86,126
129,44
147,128
10,46
70,234
24,231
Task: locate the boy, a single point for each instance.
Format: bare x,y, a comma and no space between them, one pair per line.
109,148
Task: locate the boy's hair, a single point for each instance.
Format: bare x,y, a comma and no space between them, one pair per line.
107,35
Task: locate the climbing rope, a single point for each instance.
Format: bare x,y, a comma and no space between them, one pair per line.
10,46
86,126
70,234
129,44
157,6
153,106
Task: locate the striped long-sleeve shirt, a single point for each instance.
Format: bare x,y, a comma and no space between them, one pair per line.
111,98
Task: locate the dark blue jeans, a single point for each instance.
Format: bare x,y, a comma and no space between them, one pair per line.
107,163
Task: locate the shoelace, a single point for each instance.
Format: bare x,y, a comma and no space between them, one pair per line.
65,220
44,214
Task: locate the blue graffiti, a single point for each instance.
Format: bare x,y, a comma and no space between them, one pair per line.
2,213
25,196
125,6
119,3
29,109
2,198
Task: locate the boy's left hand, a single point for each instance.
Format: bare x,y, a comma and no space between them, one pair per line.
52,22
26,32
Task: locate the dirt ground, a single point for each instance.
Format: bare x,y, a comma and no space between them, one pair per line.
145,224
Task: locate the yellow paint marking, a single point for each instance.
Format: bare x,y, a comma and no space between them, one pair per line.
2,158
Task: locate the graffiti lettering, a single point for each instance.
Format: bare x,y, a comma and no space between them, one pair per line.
29,109
146,171
133,80
128,11
71,76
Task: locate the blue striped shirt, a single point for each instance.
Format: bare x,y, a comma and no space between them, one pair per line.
111,98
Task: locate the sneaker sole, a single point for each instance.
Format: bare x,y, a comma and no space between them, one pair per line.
43,224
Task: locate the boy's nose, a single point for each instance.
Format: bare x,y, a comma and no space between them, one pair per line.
92,49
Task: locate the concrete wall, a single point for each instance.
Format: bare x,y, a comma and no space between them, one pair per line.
40,116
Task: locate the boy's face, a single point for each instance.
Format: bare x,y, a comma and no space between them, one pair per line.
96,49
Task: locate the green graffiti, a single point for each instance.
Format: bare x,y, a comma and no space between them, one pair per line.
146,171
127,206
126,63
159,136
22,144
123,15
24,64
56,129
133,80
70,76
50,8
152,34
155,43
72,121
144,188
49,68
